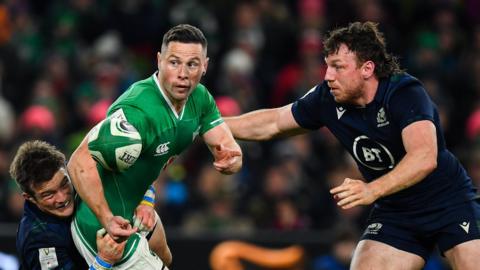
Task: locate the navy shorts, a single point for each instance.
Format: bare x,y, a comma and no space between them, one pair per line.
420,232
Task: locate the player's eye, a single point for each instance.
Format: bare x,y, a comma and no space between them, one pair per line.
65,182
193,65
47,196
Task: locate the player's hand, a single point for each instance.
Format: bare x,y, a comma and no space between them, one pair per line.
227,161
352,193
144,218
119,228
109,250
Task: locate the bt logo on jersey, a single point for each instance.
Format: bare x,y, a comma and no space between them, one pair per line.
372,154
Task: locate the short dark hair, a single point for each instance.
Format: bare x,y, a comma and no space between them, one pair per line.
184,33
367,42
35,162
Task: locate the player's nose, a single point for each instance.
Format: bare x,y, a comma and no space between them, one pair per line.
62,196
329,74
182,72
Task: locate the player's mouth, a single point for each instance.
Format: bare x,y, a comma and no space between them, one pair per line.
183,87
334,90
64,205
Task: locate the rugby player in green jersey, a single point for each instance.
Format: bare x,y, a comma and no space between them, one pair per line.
168,110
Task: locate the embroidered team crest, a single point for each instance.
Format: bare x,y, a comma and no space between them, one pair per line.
382,118
373,228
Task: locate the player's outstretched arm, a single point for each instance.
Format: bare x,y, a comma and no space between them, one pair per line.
225,150
264,124
85,178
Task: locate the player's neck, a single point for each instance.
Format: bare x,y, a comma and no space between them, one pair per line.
369,91
177,105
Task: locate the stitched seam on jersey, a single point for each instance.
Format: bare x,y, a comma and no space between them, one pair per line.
120,194
135,243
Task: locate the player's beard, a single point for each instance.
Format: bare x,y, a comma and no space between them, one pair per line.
351,96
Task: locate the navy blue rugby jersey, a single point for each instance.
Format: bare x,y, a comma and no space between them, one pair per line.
45,242
372,135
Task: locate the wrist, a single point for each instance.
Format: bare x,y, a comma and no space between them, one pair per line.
149,197
100,264
376,189
105,219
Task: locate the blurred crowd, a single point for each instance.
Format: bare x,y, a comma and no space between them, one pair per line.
62,63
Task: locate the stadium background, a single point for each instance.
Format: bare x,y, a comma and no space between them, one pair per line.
63,62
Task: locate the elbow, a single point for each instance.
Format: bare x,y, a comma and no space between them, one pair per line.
430,165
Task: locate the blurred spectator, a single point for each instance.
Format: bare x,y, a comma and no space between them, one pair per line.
8,262
63,62
302,74
216,192
5,27
288,216
341,254
7,123
13,202
227,106
473,125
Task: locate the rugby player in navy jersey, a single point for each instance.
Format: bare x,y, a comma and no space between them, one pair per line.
43,238
385,119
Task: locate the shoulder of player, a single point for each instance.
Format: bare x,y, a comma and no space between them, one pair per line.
320,92
200,95
40,235
200,91
144,90
402,83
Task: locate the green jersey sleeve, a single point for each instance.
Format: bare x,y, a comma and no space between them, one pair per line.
210,116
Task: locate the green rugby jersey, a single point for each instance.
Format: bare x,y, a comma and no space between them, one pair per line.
165,134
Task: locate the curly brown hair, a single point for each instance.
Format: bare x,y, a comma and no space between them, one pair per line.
368,43
34,163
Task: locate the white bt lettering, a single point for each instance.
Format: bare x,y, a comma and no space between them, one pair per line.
371,153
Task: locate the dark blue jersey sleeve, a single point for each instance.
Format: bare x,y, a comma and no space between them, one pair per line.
46,249
411,104
306,110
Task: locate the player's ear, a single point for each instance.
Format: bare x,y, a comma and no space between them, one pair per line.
159,57
205,66
368,69
27,197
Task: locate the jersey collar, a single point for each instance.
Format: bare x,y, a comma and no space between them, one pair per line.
172,108
381,90
31,209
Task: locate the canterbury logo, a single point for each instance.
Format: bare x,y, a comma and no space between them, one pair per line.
162,149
